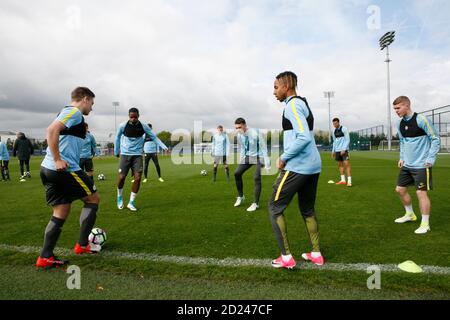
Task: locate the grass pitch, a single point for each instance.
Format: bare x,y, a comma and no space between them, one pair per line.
189,216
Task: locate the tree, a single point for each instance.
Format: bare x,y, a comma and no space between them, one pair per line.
165,137
321,138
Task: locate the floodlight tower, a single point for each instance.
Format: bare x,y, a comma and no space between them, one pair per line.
385,41
329,95
115,105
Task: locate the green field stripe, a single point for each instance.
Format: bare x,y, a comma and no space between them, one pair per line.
228,262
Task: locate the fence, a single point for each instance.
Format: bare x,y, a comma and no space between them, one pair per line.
440,117
365,139
441,121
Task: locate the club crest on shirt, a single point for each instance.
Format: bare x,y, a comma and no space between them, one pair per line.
406,127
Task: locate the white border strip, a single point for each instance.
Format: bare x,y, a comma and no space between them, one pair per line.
229,262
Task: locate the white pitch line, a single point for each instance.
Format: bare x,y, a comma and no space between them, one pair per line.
228,262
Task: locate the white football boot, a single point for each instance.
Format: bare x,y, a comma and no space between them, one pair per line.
424,228
408,217
239,201
253,207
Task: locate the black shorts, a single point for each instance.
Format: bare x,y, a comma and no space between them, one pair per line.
287,185
220,159
130,162
340,157
421,178
86,164
4,163
62,187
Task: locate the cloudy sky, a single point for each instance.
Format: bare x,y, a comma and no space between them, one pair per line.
214,60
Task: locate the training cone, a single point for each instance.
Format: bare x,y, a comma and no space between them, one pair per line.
331,182
410,266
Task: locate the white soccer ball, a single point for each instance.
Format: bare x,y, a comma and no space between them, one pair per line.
97,236
101,176
203,172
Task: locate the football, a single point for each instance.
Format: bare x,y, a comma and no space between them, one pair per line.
101,176
97,236
203,172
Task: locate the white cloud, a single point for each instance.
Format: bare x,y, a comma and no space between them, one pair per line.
182,61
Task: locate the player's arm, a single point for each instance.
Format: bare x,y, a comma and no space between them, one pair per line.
53,132
213,145
433,135
149,131
401,161
241,147
300,130
67,118
346,139
333,144
263,148
227,145
117,140
2,151
93,146
161,144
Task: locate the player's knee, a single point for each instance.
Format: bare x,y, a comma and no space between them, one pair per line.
400,190
275,207
273,210
308,213
93,198
422,194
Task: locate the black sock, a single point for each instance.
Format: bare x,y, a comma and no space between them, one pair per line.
228,173
215,173
87,221
52,232
3,174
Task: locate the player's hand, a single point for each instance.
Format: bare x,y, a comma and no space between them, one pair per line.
428,165
333,155
401,163
280,164
61,165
